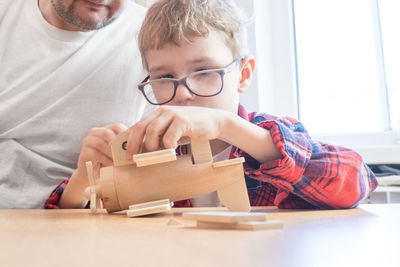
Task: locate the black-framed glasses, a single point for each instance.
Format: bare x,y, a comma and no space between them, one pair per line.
204,83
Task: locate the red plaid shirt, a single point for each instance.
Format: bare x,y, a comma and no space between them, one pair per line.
309,175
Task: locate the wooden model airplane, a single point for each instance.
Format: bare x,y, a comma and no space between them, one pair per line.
161,175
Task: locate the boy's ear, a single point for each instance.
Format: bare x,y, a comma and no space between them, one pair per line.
247,67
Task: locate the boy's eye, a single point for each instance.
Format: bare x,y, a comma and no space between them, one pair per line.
201,69
162,76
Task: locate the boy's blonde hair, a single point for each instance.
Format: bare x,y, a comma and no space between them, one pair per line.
178,21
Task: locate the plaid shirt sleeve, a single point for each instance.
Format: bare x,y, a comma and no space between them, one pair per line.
54,198
309,174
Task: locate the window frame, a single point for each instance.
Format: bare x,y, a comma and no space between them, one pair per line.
278,85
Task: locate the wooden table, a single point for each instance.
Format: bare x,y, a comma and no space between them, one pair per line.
366,236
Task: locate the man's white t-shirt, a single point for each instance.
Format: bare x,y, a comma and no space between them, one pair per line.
54,86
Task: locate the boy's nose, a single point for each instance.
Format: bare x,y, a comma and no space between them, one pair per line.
182,94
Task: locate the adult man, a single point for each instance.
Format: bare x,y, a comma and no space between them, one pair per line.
66,66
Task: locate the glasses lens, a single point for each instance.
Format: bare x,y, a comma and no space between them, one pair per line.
205,83
159,91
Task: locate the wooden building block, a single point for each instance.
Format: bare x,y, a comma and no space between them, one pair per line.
225,216
118,150
259,225
155,157
228,162
93,196
174,222
234,196
148,208
201,151
256,225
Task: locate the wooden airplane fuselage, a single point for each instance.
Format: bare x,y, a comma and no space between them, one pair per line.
179,178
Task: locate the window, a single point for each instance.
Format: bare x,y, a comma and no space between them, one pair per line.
341,68
339,64
334,64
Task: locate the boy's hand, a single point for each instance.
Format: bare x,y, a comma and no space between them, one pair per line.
168,124
96,148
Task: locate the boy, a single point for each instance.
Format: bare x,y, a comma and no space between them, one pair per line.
193,52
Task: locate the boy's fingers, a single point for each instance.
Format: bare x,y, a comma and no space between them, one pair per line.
155,130
117,128
100,156
137,133
104,160
173,134
97,156
104,133
152,140
135,138
107,133
98,144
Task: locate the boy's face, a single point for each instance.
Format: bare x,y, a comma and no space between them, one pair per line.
202,53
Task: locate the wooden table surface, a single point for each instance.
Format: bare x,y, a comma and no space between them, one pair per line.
366,236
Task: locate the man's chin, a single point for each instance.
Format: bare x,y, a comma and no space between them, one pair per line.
87,17
91,23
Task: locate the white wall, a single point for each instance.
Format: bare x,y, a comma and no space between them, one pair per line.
250,98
